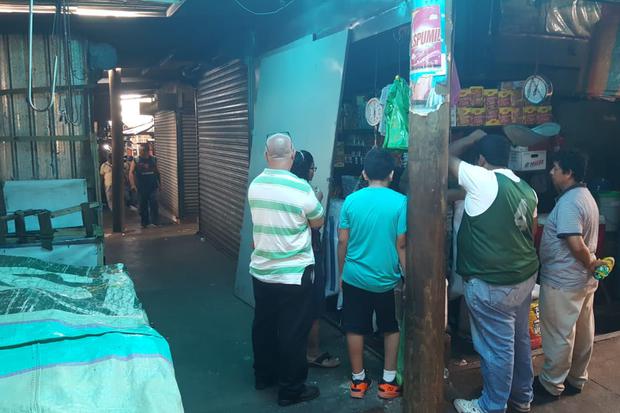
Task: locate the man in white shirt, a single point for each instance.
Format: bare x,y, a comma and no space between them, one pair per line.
284,208
106,173
498,261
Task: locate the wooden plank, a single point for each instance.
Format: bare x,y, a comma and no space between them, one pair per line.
46,231
3,232
20,226
73,209
87,219
45,89
426,258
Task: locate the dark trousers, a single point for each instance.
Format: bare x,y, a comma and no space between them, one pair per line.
149,207
280,334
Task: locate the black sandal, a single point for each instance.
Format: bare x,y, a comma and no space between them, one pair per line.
325,361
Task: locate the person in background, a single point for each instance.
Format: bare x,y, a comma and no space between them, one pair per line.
568,261
371,244
304,168
130,195
284,208
498,262
144,178
106,173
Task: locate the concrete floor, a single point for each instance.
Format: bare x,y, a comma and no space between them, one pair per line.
186,287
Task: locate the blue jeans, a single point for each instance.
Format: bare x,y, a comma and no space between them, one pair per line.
500,331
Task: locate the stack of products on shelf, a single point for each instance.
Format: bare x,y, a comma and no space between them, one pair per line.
355,136
352,115
478,106
339,154
356,148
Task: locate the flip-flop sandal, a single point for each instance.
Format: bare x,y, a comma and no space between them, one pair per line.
325,360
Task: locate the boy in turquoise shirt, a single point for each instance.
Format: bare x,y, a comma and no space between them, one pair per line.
371,244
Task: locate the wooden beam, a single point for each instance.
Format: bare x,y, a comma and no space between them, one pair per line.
20,226
46,230
118,149
45,89
88,219
73,209
45,138
426,258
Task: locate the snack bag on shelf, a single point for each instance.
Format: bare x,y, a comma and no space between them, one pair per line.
504,98
478,116
517,116
505,116
464,117
544,114
492,117
517,98
464,98
477,96
530,115
490,99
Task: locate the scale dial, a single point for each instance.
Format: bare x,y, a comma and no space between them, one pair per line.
374,112
537,89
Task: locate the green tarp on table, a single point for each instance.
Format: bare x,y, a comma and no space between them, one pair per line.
75,339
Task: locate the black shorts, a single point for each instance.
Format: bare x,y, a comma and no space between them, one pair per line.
358,306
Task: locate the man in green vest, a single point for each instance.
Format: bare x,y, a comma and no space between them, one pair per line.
497,258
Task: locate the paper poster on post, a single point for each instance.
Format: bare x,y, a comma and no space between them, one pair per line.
428,66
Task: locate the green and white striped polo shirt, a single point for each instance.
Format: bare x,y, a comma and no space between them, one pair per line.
281,205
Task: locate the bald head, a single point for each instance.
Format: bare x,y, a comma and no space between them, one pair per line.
279,151
279,146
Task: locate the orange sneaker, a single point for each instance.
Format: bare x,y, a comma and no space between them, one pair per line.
389,390
360,387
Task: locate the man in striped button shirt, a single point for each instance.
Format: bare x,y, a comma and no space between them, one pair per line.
283,208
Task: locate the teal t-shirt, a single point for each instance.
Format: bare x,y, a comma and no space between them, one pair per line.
375,217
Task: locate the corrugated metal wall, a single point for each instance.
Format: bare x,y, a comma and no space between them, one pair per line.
189,166
26,149
223,140
166,141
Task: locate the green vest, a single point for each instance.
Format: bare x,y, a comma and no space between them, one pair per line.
498,245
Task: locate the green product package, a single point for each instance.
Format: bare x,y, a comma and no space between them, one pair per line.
397,116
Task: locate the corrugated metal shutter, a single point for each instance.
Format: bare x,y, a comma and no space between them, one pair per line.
167,160
223,139
27,147
189,166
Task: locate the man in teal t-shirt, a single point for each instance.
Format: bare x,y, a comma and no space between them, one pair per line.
371,244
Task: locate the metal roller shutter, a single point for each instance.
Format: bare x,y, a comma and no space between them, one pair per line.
189,166
223,139
167,160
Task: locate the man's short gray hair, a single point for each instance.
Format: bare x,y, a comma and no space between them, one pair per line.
279,146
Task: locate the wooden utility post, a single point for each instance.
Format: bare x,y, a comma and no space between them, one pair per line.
118,150
426,257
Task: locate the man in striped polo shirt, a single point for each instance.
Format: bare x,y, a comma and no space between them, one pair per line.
283,208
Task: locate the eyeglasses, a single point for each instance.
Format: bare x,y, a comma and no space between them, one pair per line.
314,168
